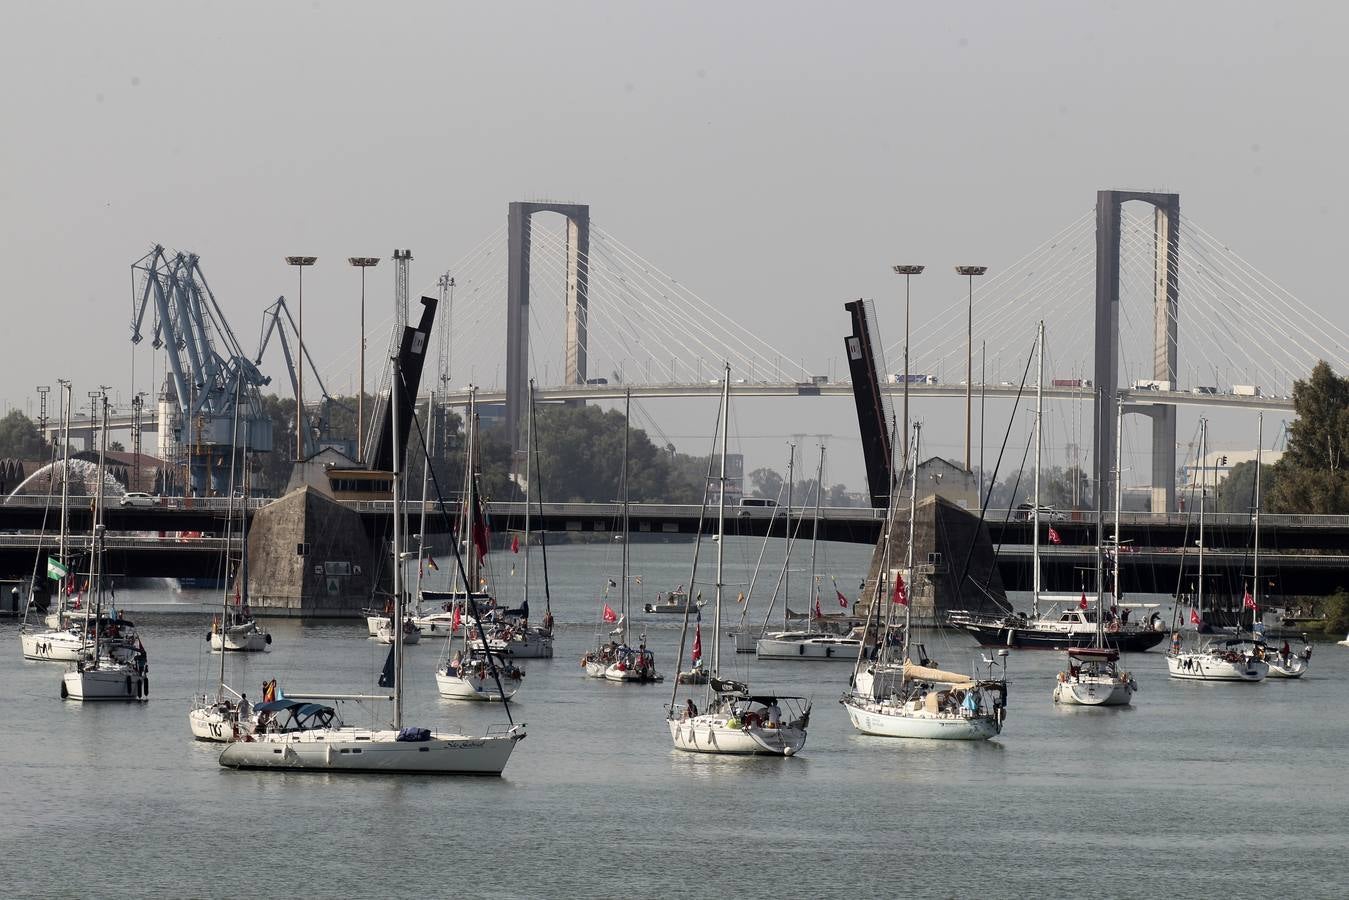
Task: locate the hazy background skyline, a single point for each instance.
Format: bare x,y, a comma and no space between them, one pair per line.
777,158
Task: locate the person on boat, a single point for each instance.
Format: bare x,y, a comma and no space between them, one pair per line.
690,709
245,708
1285,651
774,714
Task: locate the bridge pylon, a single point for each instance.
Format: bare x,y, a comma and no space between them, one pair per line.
1166,294
518,220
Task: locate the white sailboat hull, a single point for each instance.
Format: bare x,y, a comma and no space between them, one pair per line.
594,669
210,723
1293,667
887,720
713,734
471,687
745,641
385,635
111,682
631,675
354,750
820,648
54,646
242,638
1089,691
375,623
1193,666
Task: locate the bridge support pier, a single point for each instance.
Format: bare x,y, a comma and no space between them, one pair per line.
518,218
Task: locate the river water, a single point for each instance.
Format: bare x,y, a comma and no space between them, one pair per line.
1197,790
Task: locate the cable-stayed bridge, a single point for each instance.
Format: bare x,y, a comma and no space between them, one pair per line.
1175,318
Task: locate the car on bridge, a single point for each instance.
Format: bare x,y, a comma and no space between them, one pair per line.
139,498
1025,512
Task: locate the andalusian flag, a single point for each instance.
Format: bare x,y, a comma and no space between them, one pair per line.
55,570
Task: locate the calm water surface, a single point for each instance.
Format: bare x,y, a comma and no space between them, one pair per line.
1198,790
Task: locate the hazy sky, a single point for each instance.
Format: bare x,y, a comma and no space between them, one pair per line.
775,157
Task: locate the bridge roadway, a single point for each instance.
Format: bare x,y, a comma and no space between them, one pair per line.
1301,554
712,388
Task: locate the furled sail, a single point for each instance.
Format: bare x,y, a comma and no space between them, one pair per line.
924,673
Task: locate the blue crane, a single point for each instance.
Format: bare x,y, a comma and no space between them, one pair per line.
209,374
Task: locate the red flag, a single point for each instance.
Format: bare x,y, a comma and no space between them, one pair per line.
480,537
515,543
609,614
1054,536
1248,602
1194,617
456,621
1083,602
901,595
818,614
842,600
697,643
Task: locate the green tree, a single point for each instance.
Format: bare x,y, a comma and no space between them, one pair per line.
1236,492
19,438
1311,476
766,482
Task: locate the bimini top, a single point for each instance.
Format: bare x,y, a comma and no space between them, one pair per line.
299,715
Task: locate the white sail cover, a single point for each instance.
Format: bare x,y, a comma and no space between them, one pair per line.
923,673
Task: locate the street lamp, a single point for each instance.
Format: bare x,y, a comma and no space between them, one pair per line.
908,272
363,263
301,262
969,271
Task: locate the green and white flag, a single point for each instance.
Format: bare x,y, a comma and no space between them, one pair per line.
55,569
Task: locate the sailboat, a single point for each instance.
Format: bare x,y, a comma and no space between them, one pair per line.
299,732
101,674
1228,660
62,640
809,644
511,634
1283,663
1092,676
226,715
890,695
734,720
472,673
618,660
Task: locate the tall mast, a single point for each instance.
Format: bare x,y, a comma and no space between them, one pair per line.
1119,502
427,444
229,527
623,581
1100,525
815,537
96,546
1203,491
721,519
529,489
529,456
470,499
65,493
787,559
1255,566
1035,514
397,623
913,512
